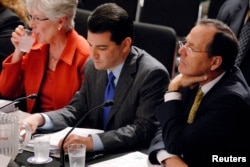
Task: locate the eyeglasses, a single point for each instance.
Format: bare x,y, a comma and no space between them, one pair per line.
36,19
188,49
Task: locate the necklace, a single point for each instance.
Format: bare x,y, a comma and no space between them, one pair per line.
53,58
53,62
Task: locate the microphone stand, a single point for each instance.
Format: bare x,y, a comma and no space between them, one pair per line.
105,104
31,96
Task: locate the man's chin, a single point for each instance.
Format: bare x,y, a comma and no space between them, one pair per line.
181,70
98,67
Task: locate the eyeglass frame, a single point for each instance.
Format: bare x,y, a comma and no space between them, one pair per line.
190,50
36,19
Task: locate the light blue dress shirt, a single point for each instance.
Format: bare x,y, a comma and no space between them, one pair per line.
97,143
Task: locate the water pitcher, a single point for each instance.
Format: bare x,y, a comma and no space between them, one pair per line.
11,134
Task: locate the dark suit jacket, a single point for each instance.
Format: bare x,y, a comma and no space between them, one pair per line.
214,7
220,127
8,22
233,13
131,123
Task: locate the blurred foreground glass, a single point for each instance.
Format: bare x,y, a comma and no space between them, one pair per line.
26,41
24,136
77,154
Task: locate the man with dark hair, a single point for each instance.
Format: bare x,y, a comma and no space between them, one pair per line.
137,83
206,110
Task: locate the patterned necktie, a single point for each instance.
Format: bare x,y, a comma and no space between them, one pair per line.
109,94
244,39
195,106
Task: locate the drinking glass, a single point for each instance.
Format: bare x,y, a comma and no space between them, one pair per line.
41,148
77,154
26,41
24,136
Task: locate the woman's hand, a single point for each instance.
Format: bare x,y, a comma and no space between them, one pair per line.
15,39
34,120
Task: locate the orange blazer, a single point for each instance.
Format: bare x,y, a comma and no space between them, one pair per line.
25,77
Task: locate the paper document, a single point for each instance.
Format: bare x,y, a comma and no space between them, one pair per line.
134,159
4,160
7,106
57,136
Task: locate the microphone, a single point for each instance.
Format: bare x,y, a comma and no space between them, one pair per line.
31,97
105,104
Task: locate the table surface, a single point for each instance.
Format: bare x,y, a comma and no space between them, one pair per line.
21,160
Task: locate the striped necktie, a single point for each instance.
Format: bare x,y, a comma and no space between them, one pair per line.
109,94
195,106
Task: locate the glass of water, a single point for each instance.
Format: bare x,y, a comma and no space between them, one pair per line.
26,41
77,154
41,147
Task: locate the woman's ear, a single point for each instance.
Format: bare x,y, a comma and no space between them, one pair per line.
62,22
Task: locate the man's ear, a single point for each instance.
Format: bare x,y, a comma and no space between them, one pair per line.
126,44
216,62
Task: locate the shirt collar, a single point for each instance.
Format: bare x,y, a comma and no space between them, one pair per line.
205,88
116,72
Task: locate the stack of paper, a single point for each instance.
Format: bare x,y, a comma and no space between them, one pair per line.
7,106
57,136
4,160
134,159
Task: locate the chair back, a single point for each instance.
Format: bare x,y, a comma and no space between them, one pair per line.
81,21
157,40
129,5
181,15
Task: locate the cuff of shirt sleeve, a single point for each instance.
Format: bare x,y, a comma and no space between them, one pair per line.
97,143
163,155
48,123
172,96
153,165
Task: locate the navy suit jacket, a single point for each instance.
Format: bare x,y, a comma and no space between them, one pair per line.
221,125
233,13
131,123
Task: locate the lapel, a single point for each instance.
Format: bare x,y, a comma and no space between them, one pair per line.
124,84
37,70
213,92
100,80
